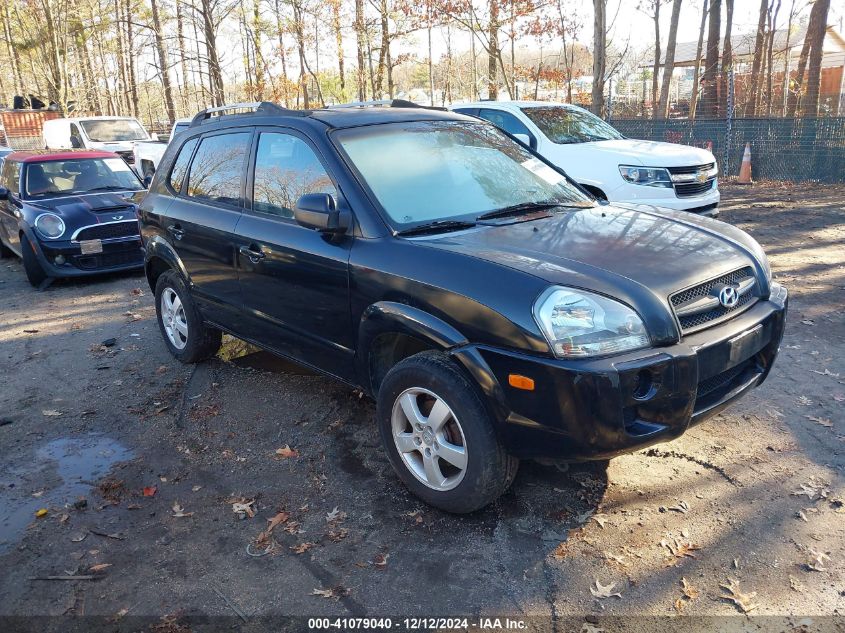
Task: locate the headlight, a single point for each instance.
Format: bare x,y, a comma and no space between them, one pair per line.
648,176
49,225
580,324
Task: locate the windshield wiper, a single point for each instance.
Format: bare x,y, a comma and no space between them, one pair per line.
104,188
436,226
518,209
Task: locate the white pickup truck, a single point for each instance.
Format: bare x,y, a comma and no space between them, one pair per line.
148,154
608,165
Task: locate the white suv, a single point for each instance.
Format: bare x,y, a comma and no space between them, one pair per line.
604,162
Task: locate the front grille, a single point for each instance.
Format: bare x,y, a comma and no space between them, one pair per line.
685,190
108,231
694,188
695,321
723,381
110,260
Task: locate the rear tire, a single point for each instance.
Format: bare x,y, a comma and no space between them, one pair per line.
439,437
35,274
186,335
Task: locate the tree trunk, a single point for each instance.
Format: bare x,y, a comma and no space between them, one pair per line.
599,55
430,53
183,64
258,57
800,86
338,36
710,79
493,51
360,37
785,104
162,62
669,62
697,72
14,59
773,20
811,104
655,73
756,66
727,56
214,71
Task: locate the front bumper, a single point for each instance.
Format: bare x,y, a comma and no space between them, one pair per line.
705,204
594,409
118,255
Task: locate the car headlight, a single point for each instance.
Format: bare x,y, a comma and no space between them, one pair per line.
580,324
50,226
648,176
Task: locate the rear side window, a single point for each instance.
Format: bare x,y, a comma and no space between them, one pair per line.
218,166
505,121
285,169
180,165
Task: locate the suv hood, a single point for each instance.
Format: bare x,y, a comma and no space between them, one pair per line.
639,254
652,153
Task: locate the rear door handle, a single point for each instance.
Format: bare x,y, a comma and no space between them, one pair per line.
254,254
176,231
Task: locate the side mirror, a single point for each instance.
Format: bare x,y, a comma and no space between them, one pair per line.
523,138
75,142
318,211
4,193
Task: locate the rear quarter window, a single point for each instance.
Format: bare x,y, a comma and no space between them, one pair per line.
180,166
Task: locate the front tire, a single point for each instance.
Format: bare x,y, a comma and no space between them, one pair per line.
186,335
439,436
35,274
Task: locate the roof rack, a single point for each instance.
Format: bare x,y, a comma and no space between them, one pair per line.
391,103
256,107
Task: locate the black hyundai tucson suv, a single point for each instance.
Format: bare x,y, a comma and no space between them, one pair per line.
493,309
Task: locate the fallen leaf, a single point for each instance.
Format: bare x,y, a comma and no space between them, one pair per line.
335,515
816,563
604,591
41,512
808,322
682,507
380,560
616,558
64,518
286,452
601,519
826,372
277,520
335,592
800,515
338,534
823,421
795,584
179,511
78,538
100,567
301,548
561,550
150,491
678,549
803,401
244,507
51,413
688,590
745,601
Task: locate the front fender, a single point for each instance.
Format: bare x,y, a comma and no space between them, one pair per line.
159,250
386,317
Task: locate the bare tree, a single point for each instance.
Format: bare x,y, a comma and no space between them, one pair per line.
710,79
816,35
669,62
599,55
697,72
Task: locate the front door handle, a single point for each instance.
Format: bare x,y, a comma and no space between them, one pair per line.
254,254
176,231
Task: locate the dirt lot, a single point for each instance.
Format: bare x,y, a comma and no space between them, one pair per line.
138,461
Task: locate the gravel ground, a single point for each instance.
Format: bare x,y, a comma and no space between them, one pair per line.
138,461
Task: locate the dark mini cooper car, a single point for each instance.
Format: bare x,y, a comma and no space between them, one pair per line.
493,309
69,213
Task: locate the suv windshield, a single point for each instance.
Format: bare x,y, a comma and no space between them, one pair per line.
78,176
428,171
110,130
568,125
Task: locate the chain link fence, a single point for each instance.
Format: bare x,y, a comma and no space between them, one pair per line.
794,149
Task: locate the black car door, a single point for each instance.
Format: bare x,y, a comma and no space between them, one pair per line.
294,280
10,208
202,218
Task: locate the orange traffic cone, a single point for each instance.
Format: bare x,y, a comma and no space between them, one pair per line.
745,168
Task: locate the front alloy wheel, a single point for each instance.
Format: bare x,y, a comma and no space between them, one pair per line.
429,438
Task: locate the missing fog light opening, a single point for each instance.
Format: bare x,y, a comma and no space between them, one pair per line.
643,385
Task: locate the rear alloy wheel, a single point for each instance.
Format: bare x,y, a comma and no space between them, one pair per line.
187,337
439,437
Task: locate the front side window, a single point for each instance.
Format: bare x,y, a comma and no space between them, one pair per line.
285,169
78,176
12,176
180,165
568,125
112,130
218,167
505,121
440,170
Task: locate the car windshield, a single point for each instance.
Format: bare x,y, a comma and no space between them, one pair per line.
434,171
78,176
110,130
568,125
